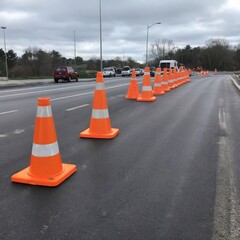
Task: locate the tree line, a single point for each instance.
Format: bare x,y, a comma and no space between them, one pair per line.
217,53
35,62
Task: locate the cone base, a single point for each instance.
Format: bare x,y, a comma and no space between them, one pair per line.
152,99
158,93
133,98
167,90
24,177
86,134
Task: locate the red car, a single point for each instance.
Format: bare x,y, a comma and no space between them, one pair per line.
65,73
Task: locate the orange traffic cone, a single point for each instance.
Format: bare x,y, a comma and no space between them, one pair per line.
171,79
165,81
184,76
46,168
179,73
175,76
147,93
133,92
100,124
215,71
158,89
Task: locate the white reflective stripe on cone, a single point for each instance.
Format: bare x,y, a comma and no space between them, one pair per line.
157,84
147,73
100,113
165,83
44,111
157,73
147,88
45,150
100,86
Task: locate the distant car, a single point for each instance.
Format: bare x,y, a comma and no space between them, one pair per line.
119,71
109,72
152,71
126,71
138,71
115,69
142,71
65,73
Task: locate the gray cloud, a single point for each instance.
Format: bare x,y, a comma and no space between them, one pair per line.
50,24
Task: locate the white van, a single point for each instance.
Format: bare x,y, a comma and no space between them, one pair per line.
168,64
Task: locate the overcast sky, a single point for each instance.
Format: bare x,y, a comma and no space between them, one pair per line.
50,25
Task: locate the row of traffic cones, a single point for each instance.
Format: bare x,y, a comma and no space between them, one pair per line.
46,167
162,84
206,73
203,73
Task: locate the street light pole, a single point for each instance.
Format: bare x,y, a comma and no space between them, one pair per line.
4,28
74,39
100,20
147,41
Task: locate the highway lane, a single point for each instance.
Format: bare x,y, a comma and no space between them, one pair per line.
19,102
161,178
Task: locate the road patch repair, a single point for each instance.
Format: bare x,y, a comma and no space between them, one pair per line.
226,208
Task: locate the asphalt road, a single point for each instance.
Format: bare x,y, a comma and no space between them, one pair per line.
172,172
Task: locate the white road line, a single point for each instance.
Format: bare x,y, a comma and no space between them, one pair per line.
74,108
12,111
56,89
19,131
3,135
52,88
48,90
86,93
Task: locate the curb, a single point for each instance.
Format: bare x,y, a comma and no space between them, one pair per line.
10,85
32,83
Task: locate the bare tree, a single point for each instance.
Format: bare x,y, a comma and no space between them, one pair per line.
218,54
161,49
35,58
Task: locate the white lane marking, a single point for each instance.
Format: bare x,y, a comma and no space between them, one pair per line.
3,135
222,119
18,131
47,90
86,93
222,115
48,87
12,111
54,87
74,108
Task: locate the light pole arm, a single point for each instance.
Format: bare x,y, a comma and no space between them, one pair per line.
149,26
100,22
5,48
147,48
